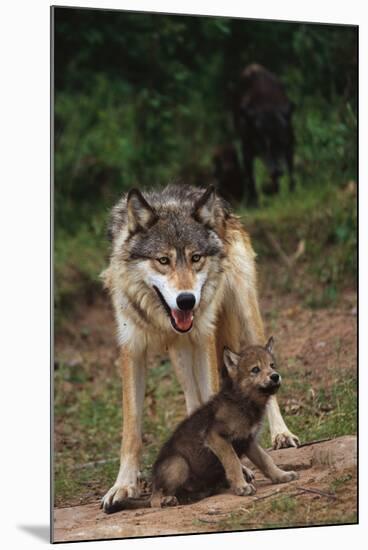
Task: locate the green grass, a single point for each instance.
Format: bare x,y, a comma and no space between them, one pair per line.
79,259
331,413
340,482
281,511
324,217
164,410
283,504
89,419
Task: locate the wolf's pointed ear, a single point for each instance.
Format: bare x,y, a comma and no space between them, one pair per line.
205,208
141,215
231,361
269,345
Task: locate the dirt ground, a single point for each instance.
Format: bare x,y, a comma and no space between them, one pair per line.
325,488
316,348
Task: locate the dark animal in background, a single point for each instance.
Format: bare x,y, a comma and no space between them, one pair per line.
227,173
263,119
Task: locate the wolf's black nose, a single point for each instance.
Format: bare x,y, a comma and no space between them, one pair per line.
275,377
185,301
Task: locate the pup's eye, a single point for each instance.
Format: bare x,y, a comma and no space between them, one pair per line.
272,365
164,260
255,370
196,258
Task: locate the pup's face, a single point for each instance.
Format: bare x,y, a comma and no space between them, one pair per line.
253,371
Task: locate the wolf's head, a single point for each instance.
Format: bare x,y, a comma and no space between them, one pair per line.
253,371
169,249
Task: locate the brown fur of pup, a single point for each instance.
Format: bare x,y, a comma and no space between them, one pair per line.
204,451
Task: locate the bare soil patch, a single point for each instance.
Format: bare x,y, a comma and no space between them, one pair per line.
316,350
324,492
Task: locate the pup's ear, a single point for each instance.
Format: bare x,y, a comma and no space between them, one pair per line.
231,361
205,208
141,215
269,345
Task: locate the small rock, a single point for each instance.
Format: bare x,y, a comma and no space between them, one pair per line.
213,511
320,344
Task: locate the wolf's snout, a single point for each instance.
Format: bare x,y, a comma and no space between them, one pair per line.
186,301
275,377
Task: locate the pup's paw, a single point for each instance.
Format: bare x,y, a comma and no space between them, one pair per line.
285,477
169,501
248,474
112,501
244,490
285,439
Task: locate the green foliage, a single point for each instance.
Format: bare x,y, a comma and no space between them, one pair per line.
143,99
323,217
78,260
284,504
326,143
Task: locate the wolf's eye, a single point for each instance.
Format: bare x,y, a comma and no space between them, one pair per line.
164,260
196,258
255,370
272,365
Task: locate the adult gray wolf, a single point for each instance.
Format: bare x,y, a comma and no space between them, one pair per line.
263,116
182,279
204,451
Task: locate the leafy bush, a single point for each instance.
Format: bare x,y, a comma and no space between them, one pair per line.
143,99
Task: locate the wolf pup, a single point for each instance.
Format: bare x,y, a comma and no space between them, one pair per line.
182,279
205,449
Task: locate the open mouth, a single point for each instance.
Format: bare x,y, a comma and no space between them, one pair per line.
181,321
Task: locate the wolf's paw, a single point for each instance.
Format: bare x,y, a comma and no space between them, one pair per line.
248,474
169,501
112,501
285,477
285,439
244,490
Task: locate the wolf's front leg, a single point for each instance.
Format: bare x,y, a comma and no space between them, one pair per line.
133,378
281,436
264,462
181,355
206,368
224,451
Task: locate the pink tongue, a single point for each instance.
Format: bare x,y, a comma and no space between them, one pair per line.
183,319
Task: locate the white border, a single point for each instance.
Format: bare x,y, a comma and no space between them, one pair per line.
25,265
